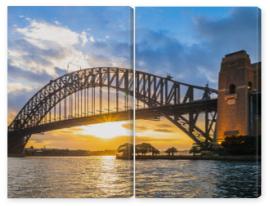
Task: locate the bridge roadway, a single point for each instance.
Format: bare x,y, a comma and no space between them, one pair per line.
144,113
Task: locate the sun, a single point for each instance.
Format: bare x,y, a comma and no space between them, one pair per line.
107,130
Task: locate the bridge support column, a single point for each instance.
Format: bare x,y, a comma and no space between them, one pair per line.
16,146
236,79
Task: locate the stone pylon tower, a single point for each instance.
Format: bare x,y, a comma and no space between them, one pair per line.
236,80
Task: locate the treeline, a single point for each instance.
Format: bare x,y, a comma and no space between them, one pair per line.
234,145
231,146
242,145
66,152
143,149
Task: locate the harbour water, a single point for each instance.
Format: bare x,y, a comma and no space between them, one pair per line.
69,177
197,178
106,176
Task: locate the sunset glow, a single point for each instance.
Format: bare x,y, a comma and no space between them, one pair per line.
105,130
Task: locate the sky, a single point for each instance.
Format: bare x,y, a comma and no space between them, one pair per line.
188,43
46,42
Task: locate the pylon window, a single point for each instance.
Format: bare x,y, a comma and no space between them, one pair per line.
232,88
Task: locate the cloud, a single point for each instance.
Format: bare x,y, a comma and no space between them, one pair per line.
239,30
83,38
208,74
164,143
18,87
41,47
165,125
91,38
43,35
140,139
17,99
72,141
160,52
11,115
40,51
163,130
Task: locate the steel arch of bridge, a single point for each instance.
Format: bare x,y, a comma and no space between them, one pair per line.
179,102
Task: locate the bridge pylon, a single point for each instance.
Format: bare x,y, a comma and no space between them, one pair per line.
237,80
16,145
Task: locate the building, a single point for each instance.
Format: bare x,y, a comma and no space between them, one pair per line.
239,105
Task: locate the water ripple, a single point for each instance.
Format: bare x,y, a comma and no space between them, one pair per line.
202,178
69,177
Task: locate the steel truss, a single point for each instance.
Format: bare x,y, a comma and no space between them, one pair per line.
100,91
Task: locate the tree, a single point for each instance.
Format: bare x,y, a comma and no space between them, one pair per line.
170,151
242,145
195,149
145,148
126,150
140,149
155,151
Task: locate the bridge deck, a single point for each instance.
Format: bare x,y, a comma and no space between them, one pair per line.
146,113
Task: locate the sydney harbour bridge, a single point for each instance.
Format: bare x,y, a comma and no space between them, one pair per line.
105,94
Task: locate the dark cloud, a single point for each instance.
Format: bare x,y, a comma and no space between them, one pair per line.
16,100
146,139
19,74
108,48
157,128
32,53
159,52
164,125
241,30
164,130
53,50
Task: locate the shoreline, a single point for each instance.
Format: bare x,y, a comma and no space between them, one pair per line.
59,155
189,157
248,158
